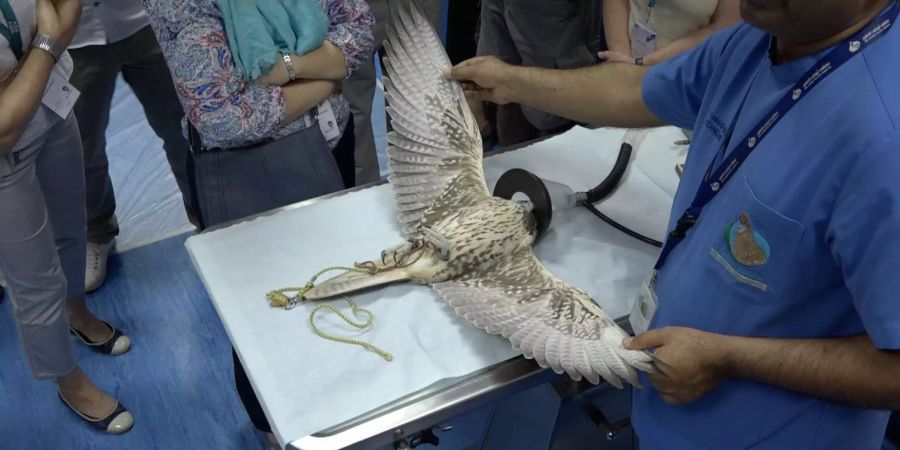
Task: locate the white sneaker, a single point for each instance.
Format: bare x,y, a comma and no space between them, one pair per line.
97,258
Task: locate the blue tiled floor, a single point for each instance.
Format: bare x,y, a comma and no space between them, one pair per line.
176,379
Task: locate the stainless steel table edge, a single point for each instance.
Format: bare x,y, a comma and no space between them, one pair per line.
433,405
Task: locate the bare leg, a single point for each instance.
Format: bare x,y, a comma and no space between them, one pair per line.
83,320
81,393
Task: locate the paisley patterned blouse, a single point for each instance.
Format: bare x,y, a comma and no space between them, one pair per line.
227,110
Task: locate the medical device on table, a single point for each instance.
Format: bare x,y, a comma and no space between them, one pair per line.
549,198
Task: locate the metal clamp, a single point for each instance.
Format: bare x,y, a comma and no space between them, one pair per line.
443,246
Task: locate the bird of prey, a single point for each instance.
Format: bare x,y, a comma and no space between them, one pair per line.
475,250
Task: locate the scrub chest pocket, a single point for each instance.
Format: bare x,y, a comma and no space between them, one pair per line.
754,251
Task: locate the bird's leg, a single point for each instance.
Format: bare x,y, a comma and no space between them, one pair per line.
439,242
392,253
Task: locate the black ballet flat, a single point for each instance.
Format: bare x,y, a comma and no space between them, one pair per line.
115,345
117,422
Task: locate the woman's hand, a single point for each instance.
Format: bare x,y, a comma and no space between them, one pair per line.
302,95
612,56
47,19
335,86
58,19
277,76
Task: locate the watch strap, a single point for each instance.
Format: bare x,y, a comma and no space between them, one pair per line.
49,45
289,65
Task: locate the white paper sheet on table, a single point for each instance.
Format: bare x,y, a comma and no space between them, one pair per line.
307,384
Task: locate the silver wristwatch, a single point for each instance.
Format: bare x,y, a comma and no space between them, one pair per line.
47,44
289,65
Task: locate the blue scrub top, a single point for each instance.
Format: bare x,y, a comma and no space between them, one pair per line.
823,192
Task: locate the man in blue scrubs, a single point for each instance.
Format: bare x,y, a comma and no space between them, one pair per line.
778,321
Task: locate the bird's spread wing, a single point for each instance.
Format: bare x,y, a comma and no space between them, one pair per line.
546,319
435,146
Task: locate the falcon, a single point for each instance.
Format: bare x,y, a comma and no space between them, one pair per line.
474,249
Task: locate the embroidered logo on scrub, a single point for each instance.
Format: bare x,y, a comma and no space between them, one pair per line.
742,252
747,246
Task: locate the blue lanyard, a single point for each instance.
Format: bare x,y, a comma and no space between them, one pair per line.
11,30
717,176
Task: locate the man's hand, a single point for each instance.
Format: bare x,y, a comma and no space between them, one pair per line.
484,78
690,363
611,56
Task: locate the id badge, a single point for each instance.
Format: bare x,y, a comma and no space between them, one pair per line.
645,306
643,40
327,121
60,96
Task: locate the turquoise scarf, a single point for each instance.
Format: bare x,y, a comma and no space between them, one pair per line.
259,31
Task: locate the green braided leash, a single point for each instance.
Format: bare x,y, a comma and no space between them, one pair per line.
356,310
279,298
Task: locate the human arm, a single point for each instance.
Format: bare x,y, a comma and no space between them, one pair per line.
325,63
615,26
622,95
607,94
226,109
302,95
21,93
728,12
863,235
851,370
347,46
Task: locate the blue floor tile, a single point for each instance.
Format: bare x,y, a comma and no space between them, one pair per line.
177,379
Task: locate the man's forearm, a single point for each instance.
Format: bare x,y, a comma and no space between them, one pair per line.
849,370
604,95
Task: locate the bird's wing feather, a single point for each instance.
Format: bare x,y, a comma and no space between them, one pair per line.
546,319
435,147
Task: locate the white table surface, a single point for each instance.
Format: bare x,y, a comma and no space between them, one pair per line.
307,384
